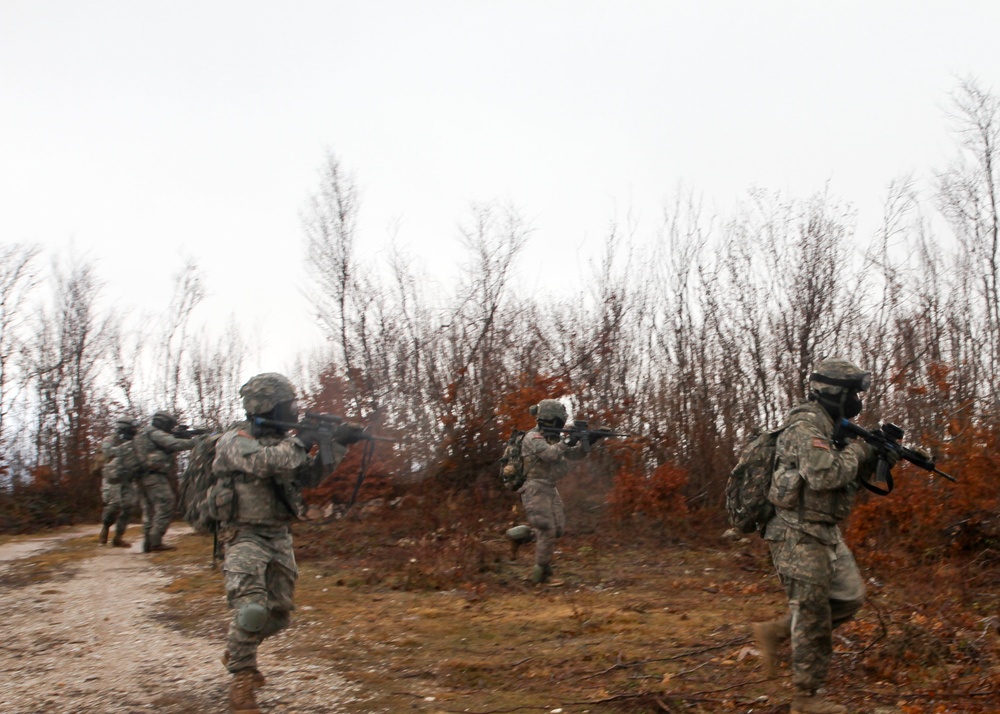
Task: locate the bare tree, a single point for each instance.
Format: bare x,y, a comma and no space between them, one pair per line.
214,374
330,224
17,280
189,291
64,362
968,198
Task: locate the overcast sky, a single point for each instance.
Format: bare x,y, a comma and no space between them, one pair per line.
146,132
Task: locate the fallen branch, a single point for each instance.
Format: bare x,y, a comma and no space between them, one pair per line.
637,663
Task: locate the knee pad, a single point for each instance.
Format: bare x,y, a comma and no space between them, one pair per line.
521,534
251,617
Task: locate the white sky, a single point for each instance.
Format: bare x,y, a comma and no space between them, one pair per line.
148,131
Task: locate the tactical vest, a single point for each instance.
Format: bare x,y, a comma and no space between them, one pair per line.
152,457
790,492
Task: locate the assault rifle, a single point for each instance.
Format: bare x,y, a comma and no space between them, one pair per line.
317,428
884,439
581,432
183,431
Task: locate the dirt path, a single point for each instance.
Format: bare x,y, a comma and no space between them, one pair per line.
93,638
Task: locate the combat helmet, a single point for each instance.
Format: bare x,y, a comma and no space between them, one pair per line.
126,427
264,392
549,411
835,376
164,420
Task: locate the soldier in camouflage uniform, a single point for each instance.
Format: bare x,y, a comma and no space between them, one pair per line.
117,486
156,448
812,489
546,454
261,471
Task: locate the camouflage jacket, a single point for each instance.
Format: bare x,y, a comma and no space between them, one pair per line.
545,458
109,469
268,474
814,482
156,448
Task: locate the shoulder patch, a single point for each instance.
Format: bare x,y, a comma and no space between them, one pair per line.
819,443
538,435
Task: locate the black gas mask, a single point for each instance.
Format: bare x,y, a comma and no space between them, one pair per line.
278,421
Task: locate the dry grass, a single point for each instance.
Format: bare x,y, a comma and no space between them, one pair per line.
53,566
447,623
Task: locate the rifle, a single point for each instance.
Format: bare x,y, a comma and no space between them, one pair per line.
321,429
884,439
183,431
582,432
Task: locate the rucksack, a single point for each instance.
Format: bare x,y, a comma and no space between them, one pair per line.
121,463
749,482
512,474
199,486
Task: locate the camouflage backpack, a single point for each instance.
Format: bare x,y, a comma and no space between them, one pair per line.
512,462
121,464
198,485
746,491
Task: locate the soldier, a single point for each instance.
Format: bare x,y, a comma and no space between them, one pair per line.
156,446
545,453
117,487
261,471
812,489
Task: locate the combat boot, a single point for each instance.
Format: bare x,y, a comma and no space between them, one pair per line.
120,542
812,703
769,636
541,574
160,547
102,539
259,680
241,693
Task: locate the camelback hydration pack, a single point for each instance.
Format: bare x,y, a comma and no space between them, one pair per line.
749,482
512,462
197,497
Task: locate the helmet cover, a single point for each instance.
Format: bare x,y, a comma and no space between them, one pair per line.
264,392
550,409
833,376
164,420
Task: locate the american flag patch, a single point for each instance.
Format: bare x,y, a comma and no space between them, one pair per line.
820,444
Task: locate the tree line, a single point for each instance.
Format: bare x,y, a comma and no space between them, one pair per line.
694,337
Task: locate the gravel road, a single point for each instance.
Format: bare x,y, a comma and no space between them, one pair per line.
90,640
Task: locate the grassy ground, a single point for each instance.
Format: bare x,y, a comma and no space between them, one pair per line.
440,619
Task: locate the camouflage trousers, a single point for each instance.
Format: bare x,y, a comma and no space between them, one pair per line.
259,569
120,502
825,590
546,516
158,504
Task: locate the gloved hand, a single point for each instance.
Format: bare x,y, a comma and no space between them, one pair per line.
863,450
308,437
598,434
572,439
891,457
348,433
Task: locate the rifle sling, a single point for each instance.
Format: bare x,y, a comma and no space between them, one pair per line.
870,485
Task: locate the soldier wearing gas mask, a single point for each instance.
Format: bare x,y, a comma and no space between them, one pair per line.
261,471
812,488
118,493
546,453
156,448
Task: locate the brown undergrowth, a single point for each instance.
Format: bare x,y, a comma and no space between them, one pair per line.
50,566
428,612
